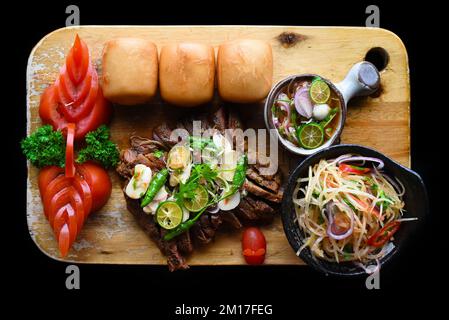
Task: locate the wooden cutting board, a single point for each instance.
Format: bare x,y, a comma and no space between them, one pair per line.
111,235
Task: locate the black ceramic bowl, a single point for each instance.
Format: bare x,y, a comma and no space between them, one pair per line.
415,198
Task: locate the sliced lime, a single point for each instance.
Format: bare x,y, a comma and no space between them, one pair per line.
199,200
169,215
311,135
319,91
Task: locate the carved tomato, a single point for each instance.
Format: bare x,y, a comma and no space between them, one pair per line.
76,96
69,195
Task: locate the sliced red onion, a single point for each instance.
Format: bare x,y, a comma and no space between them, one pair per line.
283,96
276,122
284,105
344,156
292,132
398,186
303,104
351,159
212,209
330,215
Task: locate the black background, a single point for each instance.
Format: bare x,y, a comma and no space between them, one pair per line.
32,277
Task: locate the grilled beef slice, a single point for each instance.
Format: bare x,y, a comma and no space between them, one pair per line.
231,219
253,175
169,248
258,191
218,120
162,133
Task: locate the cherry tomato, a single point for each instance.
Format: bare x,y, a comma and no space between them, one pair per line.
254,246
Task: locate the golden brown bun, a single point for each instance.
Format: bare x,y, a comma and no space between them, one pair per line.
186,74
129,70
244,70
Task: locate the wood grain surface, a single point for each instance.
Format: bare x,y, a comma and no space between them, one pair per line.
111,235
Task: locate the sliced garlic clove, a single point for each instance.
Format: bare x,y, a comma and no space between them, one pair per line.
221,142
185,214
152,207
139,183
229,203
185,175
161,195
229,163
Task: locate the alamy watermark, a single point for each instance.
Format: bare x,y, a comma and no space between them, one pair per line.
74,15
73,279
373,19
251,141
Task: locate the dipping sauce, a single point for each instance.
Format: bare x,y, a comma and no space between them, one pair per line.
307,112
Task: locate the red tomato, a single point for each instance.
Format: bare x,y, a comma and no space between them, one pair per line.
254,246
76,96
46,175
101,113
68,201
68,92
69,153
64,240
78,60
99,182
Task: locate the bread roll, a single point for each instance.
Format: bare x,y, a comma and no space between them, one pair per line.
186,74
245,70
129,70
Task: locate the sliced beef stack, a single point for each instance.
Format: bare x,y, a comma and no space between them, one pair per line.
263,193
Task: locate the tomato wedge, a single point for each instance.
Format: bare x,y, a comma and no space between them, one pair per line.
64,240
383,235
69,153
70,95
77,61
353,169
254,246
99,183
53,188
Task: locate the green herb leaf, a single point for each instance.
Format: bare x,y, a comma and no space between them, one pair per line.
349,203
158,153
199,143
201,174
99,148
45,147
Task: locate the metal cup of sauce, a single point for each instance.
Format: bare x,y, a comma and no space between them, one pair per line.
362,79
